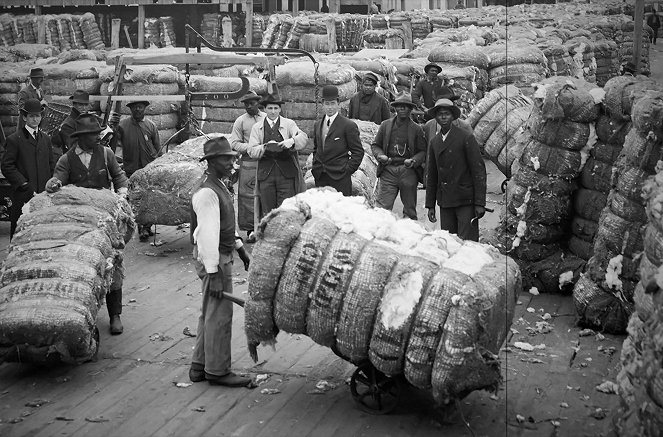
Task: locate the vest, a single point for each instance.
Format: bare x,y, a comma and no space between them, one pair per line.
96,176
273,134
226,212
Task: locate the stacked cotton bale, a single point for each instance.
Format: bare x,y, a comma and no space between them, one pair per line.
581,50
604,295
210,28
538,196
273,34
147,80
166,32
421,304
280,39
624,39
91,32
160,192
27,26
11,81
498,120
300,27
520,65
60,265
296,81
441,22
383,68
219,115
606,54
383,39
451,57
421,26
7,37
259,27
365,178
559,61
641,376
152,32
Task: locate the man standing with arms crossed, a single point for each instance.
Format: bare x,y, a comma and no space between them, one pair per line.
239,142
213,237
337,149
138,144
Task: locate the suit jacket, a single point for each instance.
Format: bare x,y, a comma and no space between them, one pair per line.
456,171
28,160
416,142
26,93
342,152
378,107
61,140
288,129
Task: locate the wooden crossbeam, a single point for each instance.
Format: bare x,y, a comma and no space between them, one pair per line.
202,58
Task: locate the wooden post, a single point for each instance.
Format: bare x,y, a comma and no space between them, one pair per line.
141,26
637,33
115,33
295,8
408,43
334,6
126,33
223,5
247,7
330,24
227,29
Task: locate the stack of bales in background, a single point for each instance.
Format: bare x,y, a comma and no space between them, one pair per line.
606,54
63,31
520,65
210,28
8,31
152,32
300,27
287,22
11,82
91,32
421,26
604,294
641,377
146,80
440,20
160,32
581,50
498,120
538,197
349,28
385,69
624,40
296,84
259,26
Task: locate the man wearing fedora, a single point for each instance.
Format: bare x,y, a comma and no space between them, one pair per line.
138,144
28,161
88,164
274,143
239,142
80,102
337,148
456,175
213,237
368,105
400,149
32,90
430,88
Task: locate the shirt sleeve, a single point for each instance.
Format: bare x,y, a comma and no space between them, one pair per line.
236,137
206,235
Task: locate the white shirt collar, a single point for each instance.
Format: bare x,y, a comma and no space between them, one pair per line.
272,122
331,119
80,151
31,131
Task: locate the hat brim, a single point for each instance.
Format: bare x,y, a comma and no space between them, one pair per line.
83,132
37,75
429,66
24,112
212,155
248,98
394,104
272,102
455,111
144,102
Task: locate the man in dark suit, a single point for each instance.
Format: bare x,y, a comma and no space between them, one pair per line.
400,149
28,161
337,149
80,102
31,90
456,175
368,105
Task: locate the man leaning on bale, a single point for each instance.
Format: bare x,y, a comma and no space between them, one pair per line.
88,164
213,237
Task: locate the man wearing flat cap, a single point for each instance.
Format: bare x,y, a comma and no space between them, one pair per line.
28,161
88,164
274,142
80,102
367,104
400,149
138,144
239,142
456,175
337,148
32,90
213,237
429,89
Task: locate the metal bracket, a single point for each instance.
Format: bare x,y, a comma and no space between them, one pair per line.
233,95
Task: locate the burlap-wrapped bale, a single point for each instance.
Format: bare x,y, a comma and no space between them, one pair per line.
374,288
160,193
60,265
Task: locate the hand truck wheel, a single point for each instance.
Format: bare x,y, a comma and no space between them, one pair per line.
373,391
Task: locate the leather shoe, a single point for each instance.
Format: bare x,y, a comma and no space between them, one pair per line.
116,327
196,372
228,380
251,238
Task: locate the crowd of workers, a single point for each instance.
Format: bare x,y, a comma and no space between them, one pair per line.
442,156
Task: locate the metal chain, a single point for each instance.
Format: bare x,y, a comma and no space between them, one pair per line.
316,64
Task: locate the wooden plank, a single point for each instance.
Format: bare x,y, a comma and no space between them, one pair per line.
247,7
330,24
141,26
151,98
203,58
637,34
126,34
41,28
115,33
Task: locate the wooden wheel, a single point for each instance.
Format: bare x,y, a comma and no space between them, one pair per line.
373,391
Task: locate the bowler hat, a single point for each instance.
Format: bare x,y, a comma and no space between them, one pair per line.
36,72
86,124
144,102
272,100
80,96
217,147
444,103
403,99
371,76
431,65
32,106
251,95
329,92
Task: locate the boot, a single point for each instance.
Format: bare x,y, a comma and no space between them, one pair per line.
114,306
197,372
244,256
228,380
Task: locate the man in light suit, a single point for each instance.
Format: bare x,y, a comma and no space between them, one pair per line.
337,149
